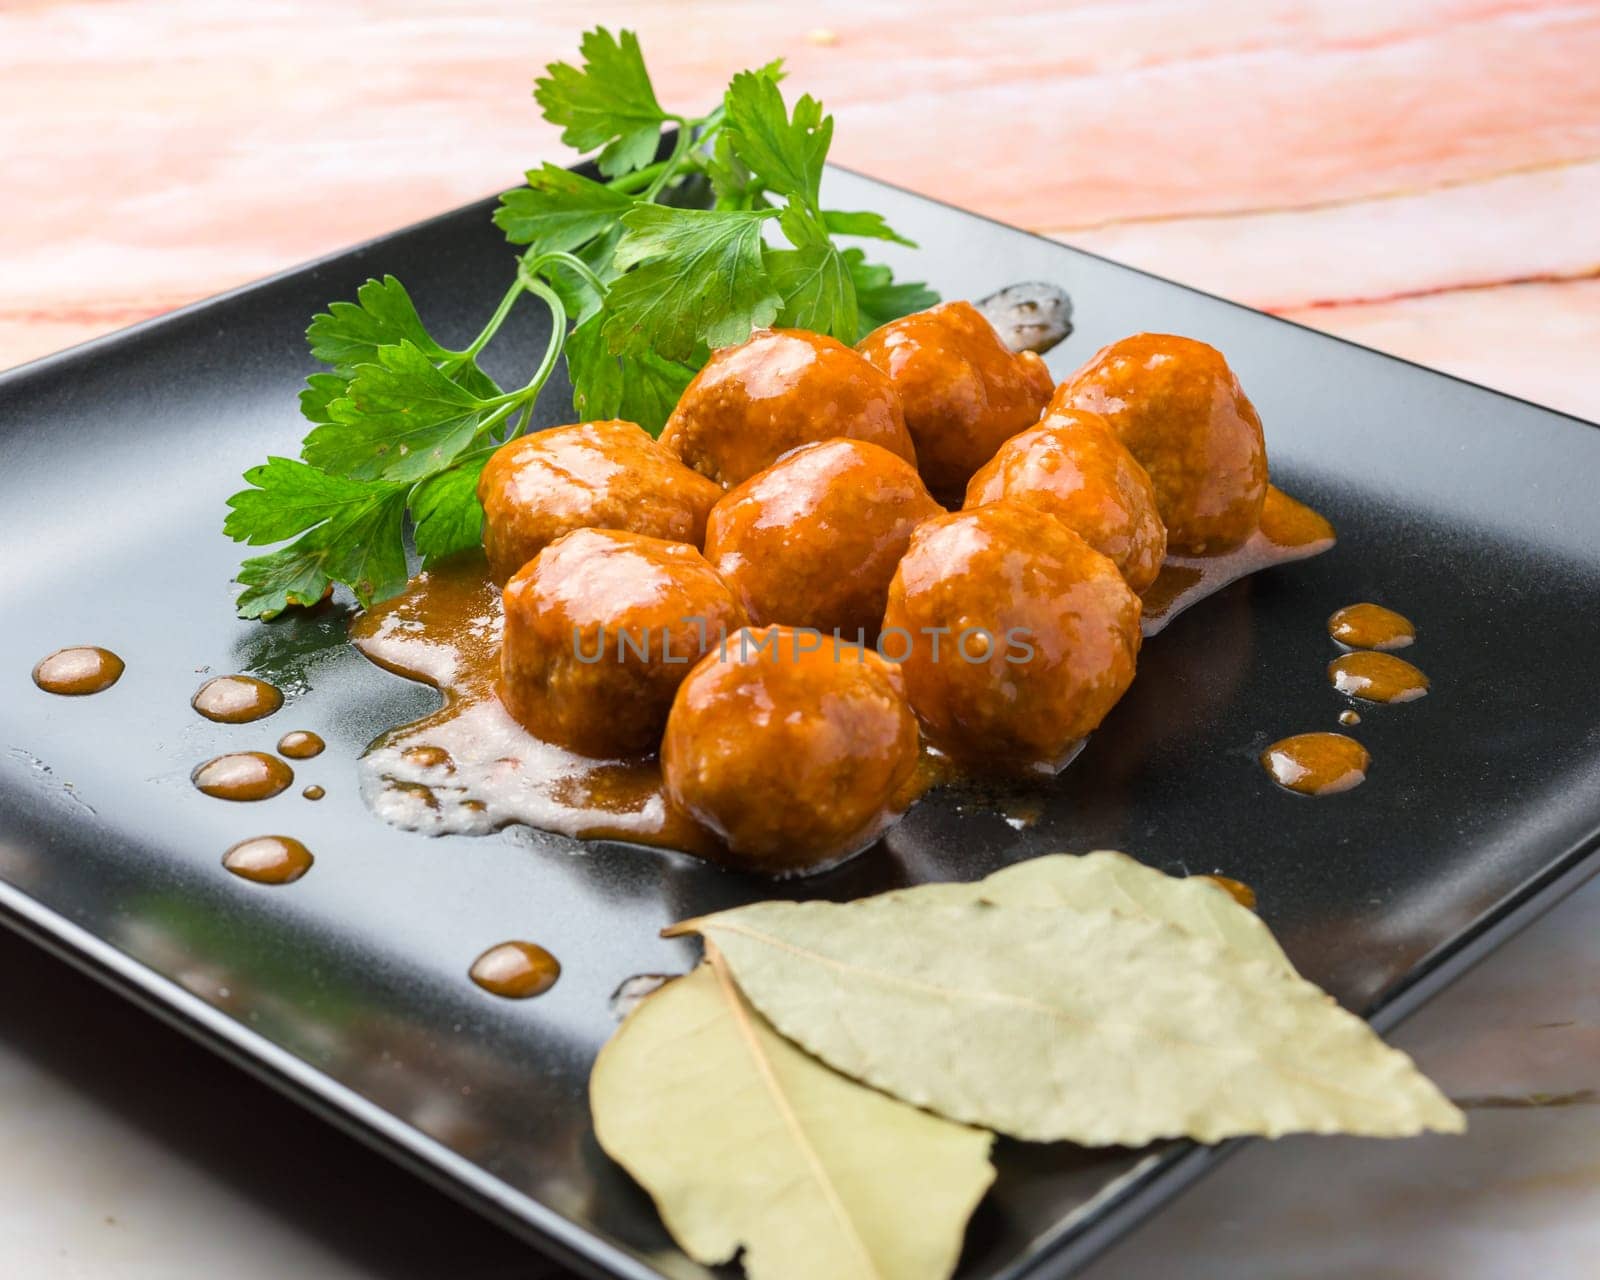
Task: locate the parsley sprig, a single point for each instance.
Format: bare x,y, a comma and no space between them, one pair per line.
652,265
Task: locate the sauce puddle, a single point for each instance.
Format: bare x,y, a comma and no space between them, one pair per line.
1289,531
1317,764
79,671
1371,626
1377,677
469,768
236,699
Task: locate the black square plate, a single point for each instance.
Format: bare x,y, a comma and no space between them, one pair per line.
1473,513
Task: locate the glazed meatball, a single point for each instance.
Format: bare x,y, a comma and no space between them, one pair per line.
1017,636
796,749
782,388
813,540
1177,406
594,475
1073,468
965,394
601,627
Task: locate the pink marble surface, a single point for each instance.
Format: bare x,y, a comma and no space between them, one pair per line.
1419,175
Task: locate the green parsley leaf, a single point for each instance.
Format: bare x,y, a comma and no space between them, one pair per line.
361,545
879,297
787,152
559,210
648,277
609,103
595,373
273,582
651,388
446,510
289,497
701,279
349,333
813,277
818,293
641,388
864,223
322,389
401,419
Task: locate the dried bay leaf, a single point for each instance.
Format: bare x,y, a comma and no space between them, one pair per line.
1108,880
1115,882
744,1140
1088,1026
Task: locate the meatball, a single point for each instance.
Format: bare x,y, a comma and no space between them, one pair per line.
601,626
813,540
796,749
594,475
783,387
1073,468
1177,406
965,393
1017,636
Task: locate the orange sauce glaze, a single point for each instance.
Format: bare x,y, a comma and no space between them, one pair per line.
469,768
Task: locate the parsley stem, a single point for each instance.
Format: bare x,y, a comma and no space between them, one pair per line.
628,183
495,321
528,395
680,147
532,264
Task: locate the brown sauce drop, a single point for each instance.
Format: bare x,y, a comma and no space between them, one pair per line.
243,775
301,744
236,699
1377,677
78,671
1317,764
1371,626
1348,718
1238,890
516,970
269,859
313,792
1289,531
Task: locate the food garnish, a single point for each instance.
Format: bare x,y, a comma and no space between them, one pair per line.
1086,999
649,280
746,1141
